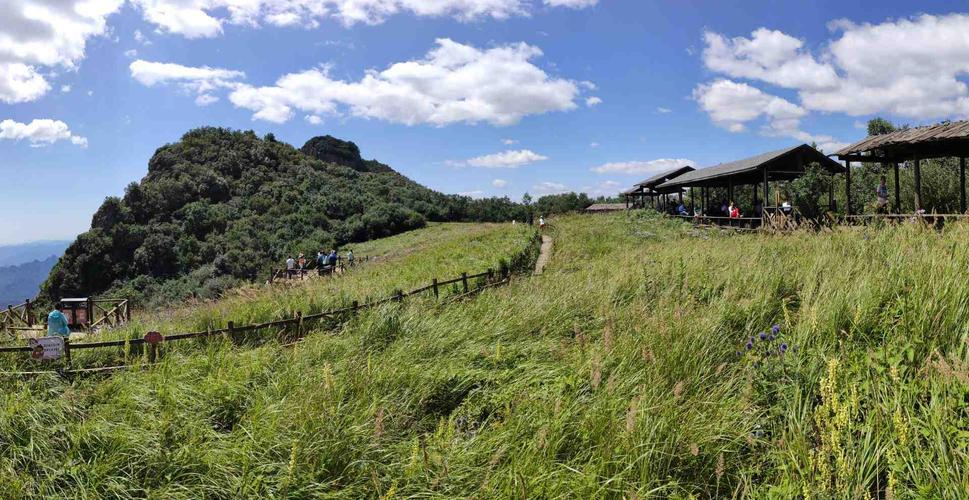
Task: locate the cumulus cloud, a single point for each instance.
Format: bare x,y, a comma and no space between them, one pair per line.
201,81
509,142
592,101
910,67
663,110
547,187
453,83
38,33
643,167
499,183
40,132
505,159
732,105
207,18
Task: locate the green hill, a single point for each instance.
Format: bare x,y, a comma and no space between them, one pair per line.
21,281
219,207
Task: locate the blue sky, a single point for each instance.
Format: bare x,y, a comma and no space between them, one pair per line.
484,97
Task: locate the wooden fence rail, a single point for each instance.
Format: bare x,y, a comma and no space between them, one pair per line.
491,279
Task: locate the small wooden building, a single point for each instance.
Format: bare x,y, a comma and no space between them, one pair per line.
647,189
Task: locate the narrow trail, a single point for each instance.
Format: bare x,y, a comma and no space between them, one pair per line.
544,254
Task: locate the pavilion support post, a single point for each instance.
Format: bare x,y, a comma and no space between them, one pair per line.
831,197
962,185
847,188
692,199
766,192
918,184
898,196
681,196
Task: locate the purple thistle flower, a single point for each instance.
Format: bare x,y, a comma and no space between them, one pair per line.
783,347
763,335
775,329
750,345
771,337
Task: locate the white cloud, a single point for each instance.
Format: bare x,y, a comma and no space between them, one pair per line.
65,88
767,55
731,105
663,110
201,81
43,33
40,132
131,53
90,93
454,83
912,67
574,4
509,142
643,167
477,193
604,188
505,159
207,18
499,183
546,188
313,119
593,144
592,101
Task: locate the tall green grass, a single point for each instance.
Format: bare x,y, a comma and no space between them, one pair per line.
614,374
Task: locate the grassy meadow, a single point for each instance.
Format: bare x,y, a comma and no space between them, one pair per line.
634,367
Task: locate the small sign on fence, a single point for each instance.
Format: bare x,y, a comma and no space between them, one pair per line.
46,348
154,338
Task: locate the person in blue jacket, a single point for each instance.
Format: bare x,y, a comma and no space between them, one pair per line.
57,322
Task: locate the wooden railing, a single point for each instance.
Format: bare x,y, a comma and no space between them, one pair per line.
110,312
301,273
463,285
18,317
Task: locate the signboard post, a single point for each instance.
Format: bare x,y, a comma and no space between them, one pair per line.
47,348
153,339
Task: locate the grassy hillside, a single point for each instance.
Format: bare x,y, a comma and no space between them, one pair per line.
218,207
622,371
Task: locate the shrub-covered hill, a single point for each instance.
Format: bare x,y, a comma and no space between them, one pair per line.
220,206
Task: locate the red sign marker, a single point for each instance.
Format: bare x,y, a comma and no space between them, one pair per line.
154,338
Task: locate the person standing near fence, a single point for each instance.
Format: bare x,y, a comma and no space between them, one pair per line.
290,267
57,323
350,258
881,195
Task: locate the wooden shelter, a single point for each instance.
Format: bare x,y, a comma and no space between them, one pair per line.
945,140
757,172
649,188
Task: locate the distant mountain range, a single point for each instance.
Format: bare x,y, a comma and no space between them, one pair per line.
24,267
11,255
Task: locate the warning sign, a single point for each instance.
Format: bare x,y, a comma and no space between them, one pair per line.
46,348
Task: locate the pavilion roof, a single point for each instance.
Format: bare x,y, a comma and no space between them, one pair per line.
746,167
945,139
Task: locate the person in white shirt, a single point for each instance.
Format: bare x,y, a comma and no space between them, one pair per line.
290,266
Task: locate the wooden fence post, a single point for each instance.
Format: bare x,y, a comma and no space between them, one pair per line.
356,306
434,286
399,296
491,275
232,334
67,352
30,312
299,324
464,281
152,352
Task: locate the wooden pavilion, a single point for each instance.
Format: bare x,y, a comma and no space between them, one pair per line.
649,189
756,172
945,140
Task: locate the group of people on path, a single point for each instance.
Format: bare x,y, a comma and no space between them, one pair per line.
326,262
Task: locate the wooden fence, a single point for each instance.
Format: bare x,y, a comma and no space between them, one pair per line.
300,273
152,342
104,313
18,317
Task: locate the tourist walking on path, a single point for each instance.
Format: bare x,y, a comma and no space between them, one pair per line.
57,322
350,258
541,222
